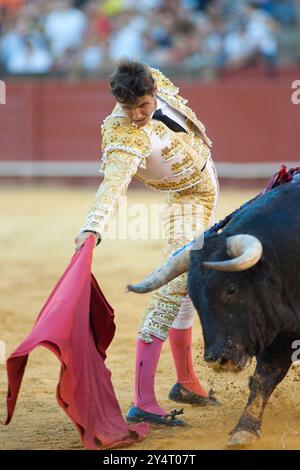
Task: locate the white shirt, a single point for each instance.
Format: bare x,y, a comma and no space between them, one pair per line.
171,112
156,167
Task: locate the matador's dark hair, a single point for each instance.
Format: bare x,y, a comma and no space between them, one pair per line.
130,81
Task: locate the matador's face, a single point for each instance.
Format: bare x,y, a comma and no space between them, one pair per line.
140,112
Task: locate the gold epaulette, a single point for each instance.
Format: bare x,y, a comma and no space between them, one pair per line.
163,83
118,134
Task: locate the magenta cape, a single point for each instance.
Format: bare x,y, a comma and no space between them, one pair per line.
77,325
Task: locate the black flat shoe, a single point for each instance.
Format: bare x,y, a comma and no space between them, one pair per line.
179,394
136,415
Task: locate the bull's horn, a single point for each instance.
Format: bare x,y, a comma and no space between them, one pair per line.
246,250
175,266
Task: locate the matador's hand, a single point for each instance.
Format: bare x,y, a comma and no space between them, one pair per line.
82,236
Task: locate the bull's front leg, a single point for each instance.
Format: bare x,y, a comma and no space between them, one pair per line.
272,366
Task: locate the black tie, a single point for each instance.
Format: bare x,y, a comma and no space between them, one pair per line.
173,125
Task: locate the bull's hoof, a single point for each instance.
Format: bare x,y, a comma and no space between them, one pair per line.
242,439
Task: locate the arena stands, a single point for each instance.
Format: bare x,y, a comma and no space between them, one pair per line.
198,37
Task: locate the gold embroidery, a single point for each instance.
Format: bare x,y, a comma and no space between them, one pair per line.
181,107
180,185
171,151
160,130
181,167
165,303
126,147
118,132
120,168
163,83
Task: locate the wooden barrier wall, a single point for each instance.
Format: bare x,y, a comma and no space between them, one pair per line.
251,122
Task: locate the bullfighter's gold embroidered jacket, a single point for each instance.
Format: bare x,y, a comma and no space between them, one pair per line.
129,151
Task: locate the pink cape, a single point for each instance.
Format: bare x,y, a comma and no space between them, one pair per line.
77,325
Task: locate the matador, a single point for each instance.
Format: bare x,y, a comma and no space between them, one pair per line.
153,135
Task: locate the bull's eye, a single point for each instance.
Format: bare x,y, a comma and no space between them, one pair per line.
231,289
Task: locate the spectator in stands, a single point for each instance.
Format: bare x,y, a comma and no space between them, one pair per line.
93,55
12,39
237,49
29,59
14,5
261,33
159,36
127,37
64,27
86,35
285,11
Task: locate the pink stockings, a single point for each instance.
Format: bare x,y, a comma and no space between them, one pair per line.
181,347
147,356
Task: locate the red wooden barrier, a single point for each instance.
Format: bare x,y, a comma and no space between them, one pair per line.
249,121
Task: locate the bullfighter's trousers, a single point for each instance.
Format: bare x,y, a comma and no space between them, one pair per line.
188,213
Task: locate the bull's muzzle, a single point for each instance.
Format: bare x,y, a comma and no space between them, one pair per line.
221,363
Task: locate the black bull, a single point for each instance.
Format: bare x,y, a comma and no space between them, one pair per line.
256,311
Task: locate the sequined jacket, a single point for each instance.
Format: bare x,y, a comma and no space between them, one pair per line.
126,153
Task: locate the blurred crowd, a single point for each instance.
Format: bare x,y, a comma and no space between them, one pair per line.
83,37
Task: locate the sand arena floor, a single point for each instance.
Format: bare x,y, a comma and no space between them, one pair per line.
38,225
